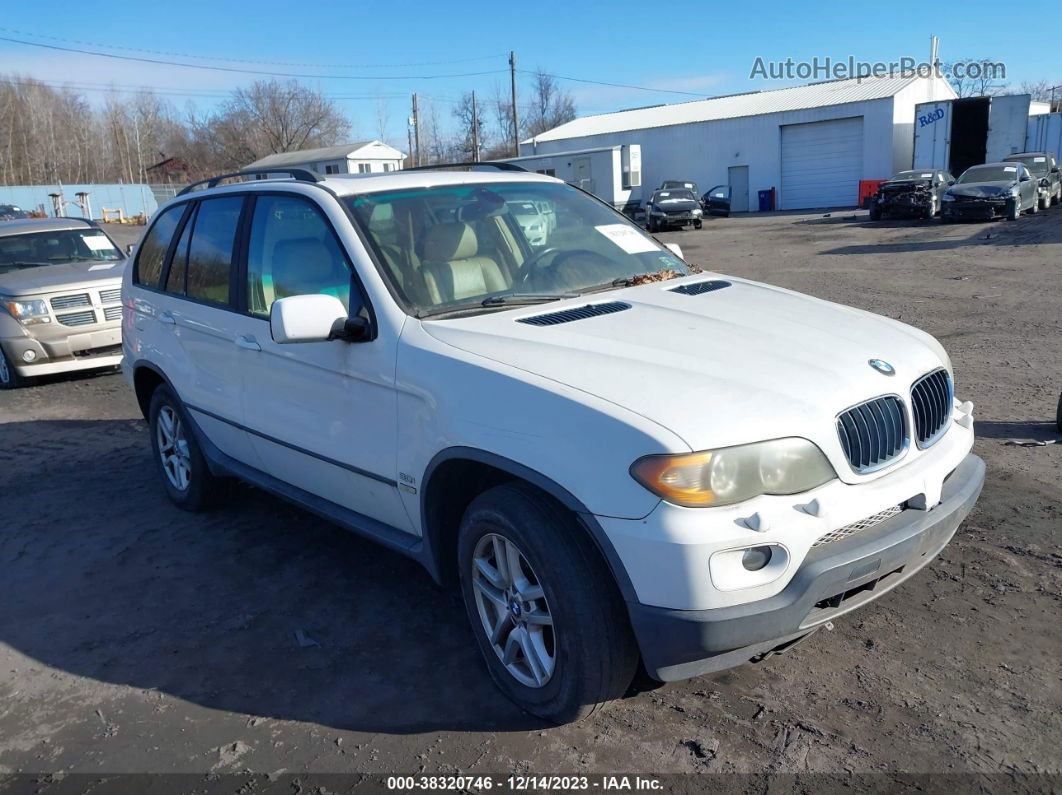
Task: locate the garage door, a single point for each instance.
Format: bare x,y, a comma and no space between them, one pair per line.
821,163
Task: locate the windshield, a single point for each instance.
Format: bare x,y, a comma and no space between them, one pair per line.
989,174
668,184
1037,164
665,196
914,175
55,247
473,247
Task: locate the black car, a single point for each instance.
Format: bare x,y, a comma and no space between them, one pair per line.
991,190
911,194
717,201
11,212
1044,168
675,207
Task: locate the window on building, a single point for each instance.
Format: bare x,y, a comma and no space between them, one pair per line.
549,172
388,167
331,168
364,168
210,250
292,251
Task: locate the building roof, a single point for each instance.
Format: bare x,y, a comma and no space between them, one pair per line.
304,156
837,92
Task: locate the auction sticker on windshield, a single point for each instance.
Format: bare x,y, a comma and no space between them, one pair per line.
97,242
627,238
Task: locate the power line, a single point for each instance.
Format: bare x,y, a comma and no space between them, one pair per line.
247,71
616,85
248,60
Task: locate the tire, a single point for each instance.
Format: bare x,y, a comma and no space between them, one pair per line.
698,224
1013,210
9,379
187,479
1045,202
1034,208
875,212
931,210
565,581
1058,415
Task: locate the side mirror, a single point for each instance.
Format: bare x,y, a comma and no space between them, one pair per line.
676,250
1054,170
951,182
1024,178
314,318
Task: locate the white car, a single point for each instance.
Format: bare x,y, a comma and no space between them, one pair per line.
612,463
531,220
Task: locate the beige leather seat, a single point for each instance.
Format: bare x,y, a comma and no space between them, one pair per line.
451,266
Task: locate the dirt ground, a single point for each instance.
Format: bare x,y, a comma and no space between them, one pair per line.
138,638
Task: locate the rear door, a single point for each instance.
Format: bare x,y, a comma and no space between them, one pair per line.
200,325
1008,124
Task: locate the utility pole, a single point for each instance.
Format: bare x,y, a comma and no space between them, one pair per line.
475,131
409,138
516,118
416,132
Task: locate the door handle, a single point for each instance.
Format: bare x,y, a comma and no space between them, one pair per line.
167,319
248,343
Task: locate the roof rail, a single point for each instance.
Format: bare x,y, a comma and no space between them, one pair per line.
467,167
297,174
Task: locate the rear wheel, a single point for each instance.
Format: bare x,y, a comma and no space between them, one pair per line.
543,606
185,474
9,379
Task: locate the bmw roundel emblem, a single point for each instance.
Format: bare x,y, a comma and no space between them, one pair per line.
882,366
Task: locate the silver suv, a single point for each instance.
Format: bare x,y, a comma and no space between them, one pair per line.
60,298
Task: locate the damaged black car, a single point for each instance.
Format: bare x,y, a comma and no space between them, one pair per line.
991,190
911,194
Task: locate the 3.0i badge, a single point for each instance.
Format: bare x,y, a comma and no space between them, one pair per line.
882,366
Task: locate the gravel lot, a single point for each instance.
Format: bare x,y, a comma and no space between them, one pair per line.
138,638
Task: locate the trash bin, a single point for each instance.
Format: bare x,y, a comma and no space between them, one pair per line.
766,200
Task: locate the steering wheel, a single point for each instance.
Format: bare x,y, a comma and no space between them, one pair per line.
532,262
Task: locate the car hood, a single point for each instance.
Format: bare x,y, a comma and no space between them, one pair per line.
905,183
675,205
60,277
735,365
981,189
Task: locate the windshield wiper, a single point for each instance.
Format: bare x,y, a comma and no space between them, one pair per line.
524,299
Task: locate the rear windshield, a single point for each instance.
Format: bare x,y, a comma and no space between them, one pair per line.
55,247
1037,164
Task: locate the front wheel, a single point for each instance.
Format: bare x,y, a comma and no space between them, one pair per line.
9,379
185,474
543,606
875,212
1034,208
698,224
1013,210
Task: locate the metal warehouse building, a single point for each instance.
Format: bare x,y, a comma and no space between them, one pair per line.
811,143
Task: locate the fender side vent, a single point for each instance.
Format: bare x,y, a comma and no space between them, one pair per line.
576,313
696,288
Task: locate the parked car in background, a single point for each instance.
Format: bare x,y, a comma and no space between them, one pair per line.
531,220
991,190
672,207
12,212
717,201
679,184
915,193
535,427
60,299
1045,170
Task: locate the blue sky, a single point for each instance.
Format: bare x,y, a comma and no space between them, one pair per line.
707,52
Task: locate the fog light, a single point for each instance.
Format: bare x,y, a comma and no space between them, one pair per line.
755,558
29,356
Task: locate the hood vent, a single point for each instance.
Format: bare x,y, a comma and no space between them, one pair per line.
700,287
577,313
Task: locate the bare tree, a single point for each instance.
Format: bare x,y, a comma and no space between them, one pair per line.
551,106
974,77
462,113
383,119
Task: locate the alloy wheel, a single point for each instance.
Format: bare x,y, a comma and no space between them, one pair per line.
513,610
173,448
5,373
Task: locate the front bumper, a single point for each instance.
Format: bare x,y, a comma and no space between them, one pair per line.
984,210
66,353
905,203
832,580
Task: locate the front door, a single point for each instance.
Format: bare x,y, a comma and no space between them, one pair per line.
738,177
321,415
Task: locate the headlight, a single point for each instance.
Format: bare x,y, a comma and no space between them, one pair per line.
27,312
734,474
947,197
697,212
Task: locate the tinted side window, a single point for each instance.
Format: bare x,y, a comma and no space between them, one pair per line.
210,250
292,251
153,248
178,272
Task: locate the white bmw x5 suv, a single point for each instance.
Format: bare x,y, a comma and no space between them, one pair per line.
615,456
